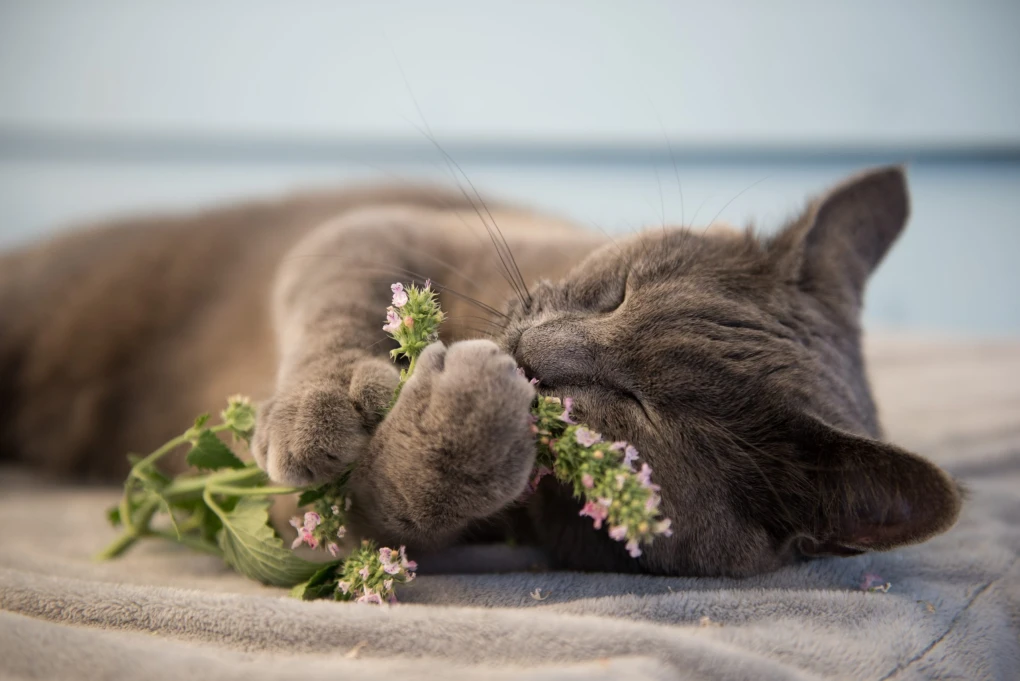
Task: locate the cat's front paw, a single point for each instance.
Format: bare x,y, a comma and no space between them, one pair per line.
465,412
311,431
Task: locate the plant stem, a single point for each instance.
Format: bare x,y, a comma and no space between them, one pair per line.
159,453
132,533
251,491
170,446
185,488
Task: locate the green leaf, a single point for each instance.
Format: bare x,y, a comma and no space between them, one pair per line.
201,421
322,584
310,496
253,548
210,453
113,516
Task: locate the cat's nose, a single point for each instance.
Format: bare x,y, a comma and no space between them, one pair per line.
555,354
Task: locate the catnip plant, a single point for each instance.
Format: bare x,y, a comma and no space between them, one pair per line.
223,509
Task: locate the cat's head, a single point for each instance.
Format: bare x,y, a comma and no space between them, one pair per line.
733,363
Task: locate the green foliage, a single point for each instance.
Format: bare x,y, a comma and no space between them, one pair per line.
322,584
254,549
208,452
223,512
310,496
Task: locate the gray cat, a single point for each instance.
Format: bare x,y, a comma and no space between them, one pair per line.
731,361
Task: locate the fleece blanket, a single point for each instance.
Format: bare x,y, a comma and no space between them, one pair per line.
952,610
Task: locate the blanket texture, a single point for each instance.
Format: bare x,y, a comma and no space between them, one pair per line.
952,612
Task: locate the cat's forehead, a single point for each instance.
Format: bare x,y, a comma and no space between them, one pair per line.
663,253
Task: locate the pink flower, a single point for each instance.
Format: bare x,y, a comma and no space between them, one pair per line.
387,584
333,549
619,533
399,295
390,566
405,563
392,321
663,527
312,520
587,481
370,597
630,454
304,530
653,502
586,438
596,511
345,587
633,549
645,477
341,532
335,509
364,572
409,321
568,404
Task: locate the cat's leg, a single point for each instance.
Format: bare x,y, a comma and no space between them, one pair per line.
333,379
457,444
456,447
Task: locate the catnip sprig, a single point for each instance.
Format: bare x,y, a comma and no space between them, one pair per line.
369,575
599,472
413,321
226,513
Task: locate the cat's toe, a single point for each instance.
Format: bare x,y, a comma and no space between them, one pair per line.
307,437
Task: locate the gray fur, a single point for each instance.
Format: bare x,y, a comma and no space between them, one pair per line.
731,361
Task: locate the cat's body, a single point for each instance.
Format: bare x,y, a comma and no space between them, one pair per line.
732,363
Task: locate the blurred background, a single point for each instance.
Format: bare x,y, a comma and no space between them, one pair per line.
616,114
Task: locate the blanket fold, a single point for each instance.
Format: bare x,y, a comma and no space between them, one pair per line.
953,609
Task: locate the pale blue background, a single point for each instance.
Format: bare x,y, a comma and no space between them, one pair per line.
114,106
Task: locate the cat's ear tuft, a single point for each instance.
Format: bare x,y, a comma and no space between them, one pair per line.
869,495
843,236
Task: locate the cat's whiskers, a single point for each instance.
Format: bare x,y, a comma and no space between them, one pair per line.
518,284
727,204
441,288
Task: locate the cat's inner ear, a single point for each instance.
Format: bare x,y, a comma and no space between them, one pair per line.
866,494
844,235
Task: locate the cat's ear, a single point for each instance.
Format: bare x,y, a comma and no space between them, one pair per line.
862,494
843,236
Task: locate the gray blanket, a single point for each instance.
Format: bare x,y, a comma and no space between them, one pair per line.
953,609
